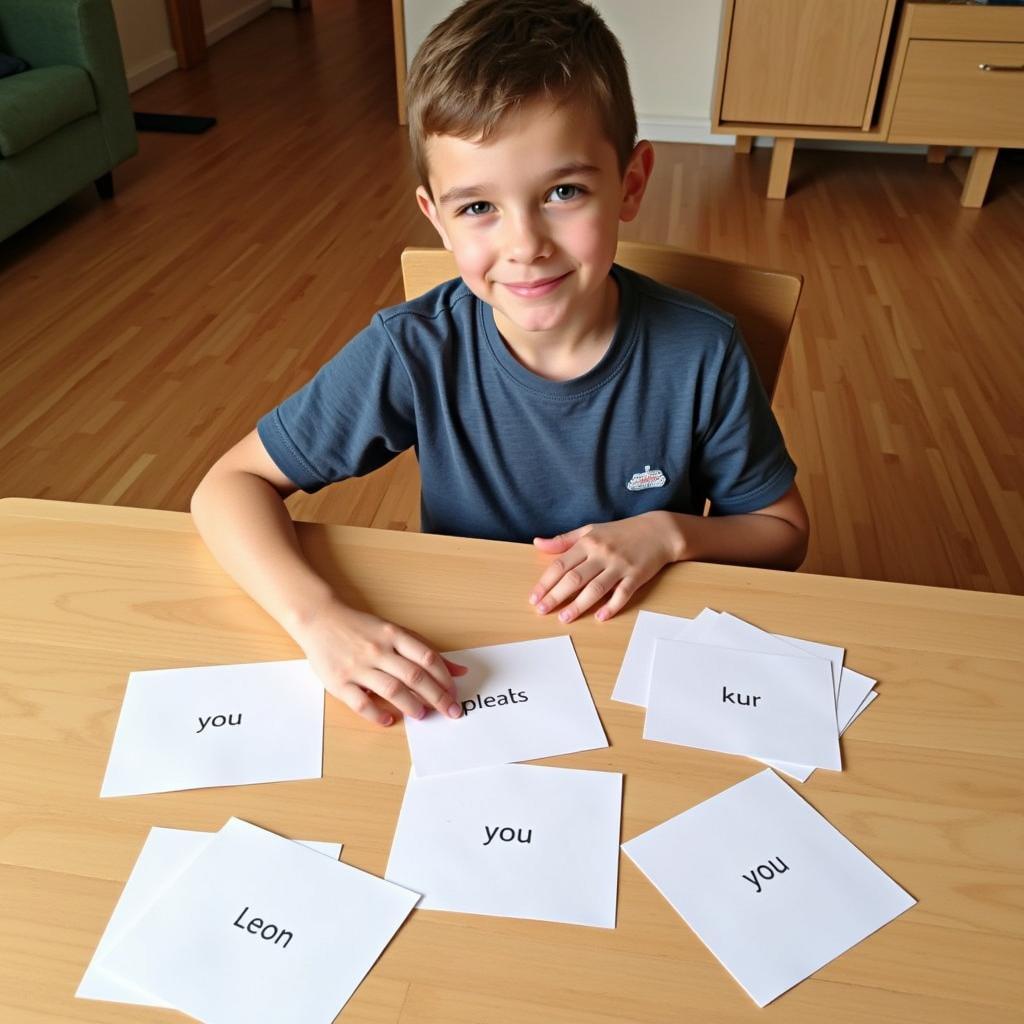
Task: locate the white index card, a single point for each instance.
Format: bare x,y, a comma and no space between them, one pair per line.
762,705
164,855
768,885
634,676
519,701
218,725
513,841
258,928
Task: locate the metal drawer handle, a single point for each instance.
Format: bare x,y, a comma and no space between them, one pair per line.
1001,67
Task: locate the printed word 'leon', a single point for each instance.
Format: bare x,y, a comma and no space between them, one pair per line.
492,701
218,720
268,932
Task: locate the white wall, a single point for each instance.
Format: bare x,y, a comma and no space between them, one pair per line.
146,35
670,47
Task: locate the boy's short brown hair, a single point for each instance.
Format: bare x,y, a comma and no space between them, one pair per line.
488,57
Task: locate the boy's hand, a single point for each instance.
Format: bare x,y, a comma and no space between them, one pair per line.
378,669
609,560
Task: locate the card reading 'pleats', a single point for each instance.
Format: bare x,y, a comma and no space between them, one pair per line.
520,701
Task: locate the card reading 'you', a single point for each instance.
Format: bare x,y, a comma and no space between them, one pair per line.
768,885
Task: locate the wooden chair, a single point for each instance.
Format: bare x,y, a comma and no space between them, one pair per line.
763,301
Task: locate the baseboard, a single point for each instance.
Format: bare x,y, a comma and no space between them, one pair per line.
680,129
233,22
697,130
158,67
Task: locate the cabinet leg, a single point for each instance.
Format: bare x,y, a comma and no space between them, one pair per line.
978,175
937,154
778,176
743,143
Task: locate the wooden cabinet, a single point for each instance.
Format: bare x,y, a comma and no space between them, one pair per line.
958,92
802,62
948,74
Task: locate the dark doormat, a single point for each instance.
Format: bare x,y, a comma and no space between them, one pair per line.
173,123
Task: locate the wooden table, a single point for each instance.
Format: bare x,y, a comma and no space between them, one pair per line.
933,789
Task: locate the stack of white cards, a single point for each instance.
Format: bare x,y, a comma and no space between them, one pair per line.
767,884
243,925
480,834
719,683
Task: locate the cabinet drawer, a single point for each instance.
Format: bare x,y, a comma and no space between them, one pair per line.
946,98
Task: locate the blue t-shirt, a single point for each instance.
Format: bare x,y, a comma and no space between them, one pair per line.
673,413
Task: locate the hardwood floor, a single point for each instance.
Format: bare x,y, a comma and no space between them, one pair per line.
140,337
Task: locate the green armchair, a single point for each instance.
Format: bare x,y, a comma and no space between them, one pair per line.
68,121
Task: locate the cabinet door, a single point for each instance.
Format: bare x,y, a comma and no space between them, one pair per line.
802,62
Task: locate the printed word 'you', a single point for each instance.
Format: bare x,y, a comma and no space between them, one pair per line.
766,872
507,835
216,721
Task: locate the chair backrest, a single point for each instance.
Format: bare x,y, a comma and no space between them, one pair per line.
763,301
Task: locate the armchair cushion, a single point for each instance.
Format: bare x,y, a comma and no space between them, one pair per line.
11,65
39,102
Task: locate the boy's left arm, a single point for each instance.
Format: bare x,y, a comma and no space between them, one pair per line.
609,562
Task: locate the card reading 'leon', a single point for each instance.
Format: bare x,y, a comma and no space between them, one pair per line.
218,725
512,841
769,886
520,701
738,702
164,855
258,928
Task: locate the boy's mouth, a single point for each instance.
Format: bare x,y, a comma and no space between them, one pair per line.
535,289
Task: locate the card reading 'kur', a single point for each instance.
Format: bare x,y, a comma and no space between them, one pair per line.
520,701
738,702
769,886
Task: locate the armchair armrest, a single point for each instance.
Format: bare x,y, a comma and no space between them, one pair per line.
82,33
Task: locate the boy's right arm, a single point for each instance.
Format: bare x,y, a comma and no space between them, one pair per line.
374,666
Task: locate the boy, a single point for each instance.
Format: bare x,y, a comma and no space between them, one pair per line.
549,394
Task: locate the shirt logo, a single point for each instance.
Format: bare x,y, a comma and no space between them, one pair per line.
647,479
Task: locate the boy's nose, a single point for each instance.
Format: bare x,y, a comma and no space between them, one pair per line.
526,241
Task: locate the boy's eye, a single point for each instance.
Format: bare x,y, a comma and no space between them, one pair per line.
563,193
477,209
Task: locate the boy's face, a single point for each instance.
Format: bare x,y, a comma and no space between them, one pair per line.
532,217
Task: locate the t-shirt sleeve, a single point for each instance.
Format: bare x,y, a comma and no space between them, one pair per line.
740,458
354,416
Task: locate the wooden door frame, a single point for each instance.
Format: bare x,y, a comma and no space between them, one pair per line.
188,33
398,22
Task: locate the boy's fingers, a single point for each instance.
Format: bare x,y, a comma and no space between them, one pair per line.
561,568
455,668
417,679
619,599
570,584
366,705
598,587
563,541
413,647
394,691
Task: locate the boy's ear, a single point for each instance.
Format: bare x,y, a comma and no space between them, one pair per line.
634,181
426,205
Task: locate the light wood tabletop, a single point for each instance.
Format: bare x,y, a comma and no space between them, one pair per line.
932,788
